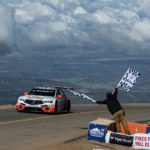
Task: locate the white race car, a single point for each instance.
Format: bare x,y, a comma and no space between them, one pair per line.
46,99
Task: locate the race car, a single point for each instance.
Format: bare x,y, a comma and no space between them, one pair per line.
46,99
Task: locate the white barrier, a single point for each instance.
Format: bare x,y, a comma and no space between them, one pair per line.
141,141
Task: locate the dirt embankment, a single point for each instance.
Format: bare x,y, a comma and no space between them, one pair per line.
2,107
85,144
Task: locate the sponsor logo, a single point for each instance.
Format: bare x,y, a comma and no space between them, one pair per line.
97,132
36,97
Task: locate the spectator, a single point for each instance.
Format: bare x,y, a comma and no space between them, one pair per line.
116,110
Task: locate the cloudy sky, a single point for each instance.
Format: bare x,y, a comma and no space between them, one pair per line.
37,32
89,42
104,25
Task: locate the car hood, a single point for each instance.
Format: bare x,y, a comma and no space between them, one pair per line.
37,97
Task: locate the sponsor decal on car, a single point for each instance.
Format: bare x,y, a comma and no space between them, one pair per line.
36,97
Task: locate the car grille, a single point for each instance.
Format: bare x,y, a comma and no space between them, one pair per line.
33,102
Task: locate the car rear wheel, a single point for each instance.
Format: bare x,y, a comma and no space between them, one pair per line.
68,106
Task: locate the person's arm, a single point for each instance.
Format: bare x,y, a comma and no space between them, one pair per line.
115,92
102,102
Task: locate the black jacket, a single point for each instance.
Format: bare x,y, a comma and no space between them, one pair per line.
112,102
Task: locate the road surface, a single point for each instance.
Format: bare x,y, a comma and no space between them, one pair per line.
32,131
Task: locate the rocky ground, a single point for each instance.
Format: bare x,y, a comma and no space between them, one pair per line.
85,144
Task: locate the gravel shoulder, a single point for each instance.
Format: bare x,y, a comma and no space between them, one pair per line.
2,107
85,144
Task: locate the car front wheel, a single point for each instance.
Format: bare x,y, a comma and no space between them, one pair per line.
56,107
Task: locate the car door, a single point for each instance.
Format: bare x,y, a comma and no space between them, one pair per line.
60,101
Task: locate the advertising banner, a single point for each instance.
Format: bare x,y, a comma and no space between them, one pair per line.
96,132
118,138
141,141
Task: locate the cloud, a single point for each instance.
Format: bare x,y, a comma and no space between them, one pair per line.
104,25
79,11
27,12
7,33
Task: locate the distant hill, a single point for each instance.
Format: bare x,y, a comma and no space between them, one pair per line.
93,77
11,89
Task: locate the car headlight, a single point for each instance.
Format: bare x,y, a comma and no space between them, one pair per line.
22,100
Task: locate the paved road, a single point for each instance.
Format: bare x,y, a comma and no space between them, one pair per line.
33,131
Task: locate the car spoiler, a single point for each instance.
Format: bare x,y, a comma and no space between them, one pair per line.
61,87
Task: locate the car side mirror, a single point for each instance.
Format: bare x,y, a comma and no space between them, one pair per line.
25,93
59,96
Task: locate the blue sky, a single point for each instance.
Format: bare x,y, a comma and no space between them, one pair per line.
104,25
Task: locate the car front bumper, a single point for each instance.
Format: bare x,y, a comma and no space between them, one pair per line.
35,108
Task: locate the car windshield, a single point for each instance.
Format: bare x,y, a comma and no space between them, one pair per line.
42,92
